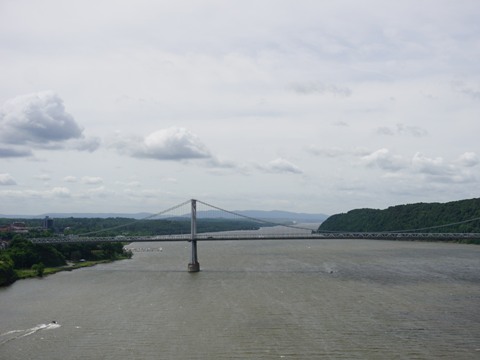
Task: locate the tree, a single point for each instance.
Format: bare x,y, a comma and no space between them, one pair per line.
39,269
7,273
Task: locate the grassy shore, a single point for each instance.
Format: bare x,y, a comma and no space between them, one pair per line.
30,273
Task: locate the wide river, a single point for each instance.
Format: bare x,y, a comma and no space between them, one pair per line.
304,299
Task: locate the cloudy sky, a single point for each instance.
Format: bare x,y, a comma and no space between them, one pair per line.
310,106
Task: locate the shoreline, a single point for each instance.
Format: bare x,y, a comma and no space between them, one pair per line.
29,273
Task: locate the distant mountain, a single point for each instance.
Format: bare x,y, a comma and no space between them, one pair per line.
283,215
274,215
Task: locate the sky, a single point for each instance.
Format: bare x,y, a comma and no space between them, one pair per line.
305,106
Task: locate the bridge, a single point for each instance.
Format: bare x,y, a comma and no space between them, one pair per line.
278,231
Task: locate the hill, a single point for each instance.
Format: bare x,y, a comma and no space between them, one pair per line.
460,216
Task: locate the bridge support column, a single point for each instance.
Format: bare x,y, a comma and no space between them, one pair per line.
194,265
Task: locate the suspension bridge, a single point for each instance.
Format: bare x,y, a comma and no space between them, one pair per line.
269,231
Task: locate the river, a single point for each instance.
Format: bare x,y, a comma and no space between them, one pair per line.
304,299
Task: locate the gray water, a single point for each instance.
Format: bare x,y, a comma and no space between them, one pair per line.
342,299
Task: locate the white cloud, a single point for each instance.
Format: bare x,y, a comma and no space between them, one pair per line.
468,159
92,180
99,191
440,171
281,165
469,90
43,177
422,168
402,129
7,179
70,179
220,163
431,166
53,193
385,130
171,180
309,88
60,192
89,144
340,123
331,152
173,143
384,159
40,121
129,184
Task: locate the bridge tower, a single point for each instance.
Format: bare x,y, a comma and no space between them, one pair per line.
194,265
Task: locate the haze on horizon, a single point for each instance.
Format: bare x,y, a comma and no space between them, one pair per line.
303,106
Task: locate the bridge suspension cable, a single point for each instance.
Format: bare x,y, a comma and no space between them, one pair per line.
438,226
142,219
263,221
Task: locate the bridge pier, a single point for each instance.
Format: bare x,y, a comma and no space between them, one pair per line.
194,265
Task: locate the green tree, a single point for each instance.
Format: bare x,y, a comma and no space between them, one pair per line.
7,272
39,269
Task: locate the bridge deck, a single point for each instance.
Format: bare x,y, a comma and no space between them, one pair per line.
237,237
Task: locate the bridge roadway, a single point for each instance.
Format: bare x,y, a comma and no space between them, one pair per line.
237,236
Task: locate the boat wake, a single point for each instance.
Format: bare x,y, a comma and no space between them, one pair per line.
18,334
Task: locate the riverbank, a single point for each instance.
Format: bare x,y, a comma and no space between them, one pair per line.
24,259
31,273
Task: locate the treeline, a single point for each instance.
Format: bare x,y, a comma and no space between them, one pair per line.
460,216
131,227
22,254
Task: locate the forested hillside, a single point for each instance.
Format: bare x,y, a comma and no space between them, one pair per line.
463,214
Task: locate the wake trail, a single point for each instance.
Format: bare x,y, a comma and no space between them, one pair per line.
18,334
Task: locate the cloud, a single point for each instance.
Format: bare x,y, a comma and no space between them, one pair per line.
431,166
402,129
167,144
385,130
282,166
89,144
97,192
14,152
7,179
423,168
43,177
340,123
39,120
383,159
468,90
331,152
308,88
220,163
129,184
440,171
56,192
92,180
70,179
468,159
61,192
